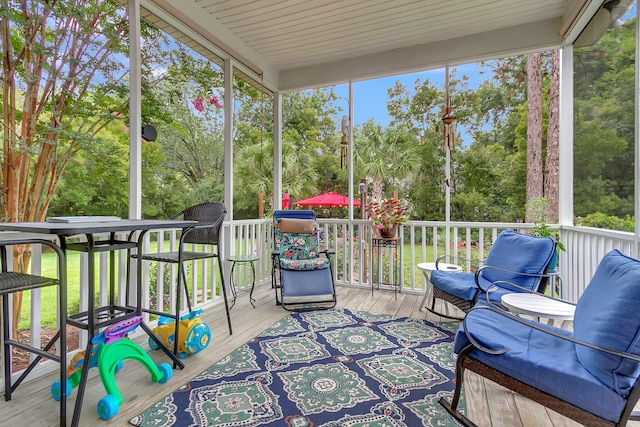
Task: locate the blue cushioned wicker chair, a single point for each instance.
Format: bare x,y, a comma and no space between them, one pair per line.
590,375
306,278
516,258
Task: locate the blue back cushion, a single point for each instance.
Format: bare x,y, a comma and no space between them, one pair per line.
518,252
297,214
608,315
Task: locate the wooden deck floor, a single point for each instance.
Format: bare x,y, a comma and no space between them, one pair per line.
488,404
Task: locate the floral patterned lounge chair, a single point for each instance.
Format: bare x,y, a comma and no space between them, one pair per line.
304,270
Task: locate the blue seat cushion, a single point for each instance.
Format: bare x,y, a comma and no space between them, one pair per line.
306,283
540,360
607,315
462,285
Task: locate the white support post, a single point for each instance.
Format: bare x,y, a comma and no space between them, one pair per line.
228,239
350,153
228,137
277,150
447,175
135,134
565,186
135,108
565,152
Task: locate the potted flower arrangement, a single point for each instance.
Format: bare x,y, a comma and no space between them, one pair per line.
386,216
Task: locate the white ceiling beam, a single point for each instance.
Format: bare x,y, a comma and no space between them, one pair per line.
536,36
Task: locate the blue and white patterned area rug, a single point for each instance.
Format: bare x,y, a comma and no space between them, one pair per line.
323,368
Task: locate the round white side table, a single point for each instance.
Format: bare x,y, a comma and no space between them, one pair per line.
539,306
427,268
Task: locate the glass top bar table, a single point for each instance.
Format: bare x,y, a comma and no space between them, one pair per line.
96,318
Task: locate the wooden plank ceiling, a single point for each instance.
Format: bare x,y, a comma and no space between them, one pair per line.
291,39
294,33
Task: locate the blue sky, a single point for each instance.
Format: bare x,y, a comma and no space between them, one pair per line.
370,97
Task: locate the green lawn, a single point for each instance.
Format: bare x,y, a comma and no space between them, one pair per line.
48,306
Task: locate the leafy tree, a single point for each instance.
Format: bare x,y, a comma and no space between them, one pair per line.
600,220
193,143
521,101
385,156
599,147
418,115
419,111
62,82
60,72
310,147
604,124
310,118
255,171
481,193
105,165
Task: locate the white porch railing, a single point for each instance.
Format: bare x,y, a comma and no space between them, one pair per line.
585,248
422,241
469,240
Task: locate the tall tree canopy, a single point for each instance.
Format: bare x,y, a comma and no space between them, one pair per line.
62,82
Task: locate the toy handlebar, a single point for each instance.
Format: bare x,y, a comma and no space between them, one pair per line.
117,331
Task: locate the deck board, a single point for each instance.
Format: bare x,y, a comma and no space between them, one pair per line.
487,403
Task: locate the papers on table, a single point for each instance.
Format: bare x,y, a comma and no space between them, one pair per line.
83,218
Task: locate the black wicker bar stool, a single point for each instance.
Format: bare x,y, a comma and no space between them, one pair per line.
12,282
210,217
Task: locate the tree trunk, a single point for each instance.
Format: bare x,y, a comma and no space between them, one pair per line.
534,129
260,205
552,161
376,193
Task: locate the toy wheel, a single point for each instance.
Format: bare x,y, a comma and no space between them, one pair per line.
108,407
166,371
198,338
153,345
55,389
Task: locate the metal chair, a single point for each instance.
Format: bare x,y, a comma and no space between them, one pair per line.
11,282
590,374
210,217
277,238
514,257
306,278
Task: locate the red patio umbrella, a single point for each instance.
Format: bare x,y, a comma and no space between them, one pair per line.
329,200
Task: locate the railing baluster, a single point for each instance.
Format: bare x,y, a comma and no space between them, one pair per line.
585,248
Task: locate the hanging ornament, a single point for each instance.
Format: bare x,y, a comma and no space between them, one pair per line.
448,119
449,128
344,143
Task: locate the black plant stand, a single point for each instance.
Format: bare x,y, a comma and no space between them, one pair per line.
385,252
